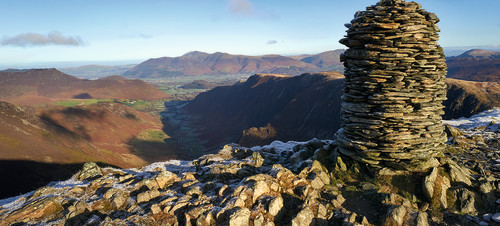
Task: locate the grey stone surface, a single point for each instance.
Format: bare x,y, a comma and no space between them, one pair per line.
395,72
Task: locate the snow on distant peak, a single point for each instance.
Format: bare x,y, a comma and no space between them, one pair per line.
489,119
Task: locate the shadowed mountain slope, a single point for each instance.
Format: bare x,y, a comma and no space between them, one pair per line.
467,98
43,85
290,108
271,107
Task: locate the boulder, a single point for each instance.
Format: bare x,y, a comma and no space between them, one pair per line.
90,170
275,206
304,217
240,217
395,216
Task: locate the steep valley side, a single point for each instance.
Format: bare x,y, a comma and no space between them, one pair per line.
275,107
46,144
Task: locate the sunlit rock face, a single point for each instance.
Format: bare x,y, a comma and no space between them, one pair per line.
395,72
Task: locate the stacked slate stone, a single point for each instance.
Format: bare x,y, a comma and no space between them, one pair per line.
394,88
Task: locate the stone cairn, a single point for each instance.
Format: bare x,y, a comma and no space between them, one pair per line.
395,84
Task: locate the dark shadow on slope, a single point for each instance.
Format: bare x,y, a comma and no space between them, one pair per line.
83,113
155,151
59,129
83,96
364,203
20,176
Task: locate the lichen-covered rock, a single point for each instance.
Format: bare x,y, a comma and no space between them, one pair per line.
466,201
275,206
422,219
90,170
304,217
37,210
240,217
395,216
281,191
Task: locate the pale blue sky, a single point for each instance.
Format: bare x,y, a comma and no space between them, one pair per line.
47,31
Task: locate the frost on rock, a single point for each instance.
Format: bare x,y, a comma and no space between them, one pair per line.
484,123
209,190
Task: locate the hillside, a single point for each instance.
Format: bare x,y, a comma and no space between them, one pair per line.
200,63
47,85
199,84
290,108
48,144
272,107
467,98
325,60
292,183
475,65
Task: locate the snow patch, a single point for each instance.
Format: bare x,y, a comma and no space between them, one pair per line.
489,119
14,203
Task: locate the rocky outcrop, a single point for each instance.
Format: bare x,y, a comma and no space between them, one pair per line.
394,87
278,184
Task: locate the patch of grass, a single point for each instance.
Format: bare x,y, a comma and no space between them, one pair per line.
149,106
153,135
76,102
68,103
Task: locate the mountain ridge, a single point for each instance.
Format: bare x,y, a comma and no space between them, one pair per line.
36,86
201,63
475,65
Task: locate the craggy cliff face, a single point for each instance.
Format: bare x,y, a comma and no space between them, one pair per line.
395,84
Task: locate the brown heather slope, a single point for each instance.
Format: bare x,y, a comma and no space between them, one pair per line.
105,132
34,151
46,144
475,65
467,98
45,85
267,108
25,136
116,128
200,63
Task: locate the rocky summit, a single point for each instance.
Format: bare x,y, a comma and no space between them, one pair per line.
293,183
394,87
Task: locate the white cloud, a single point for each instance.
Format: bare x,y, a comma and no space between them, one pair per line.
271,42
241,7
35,39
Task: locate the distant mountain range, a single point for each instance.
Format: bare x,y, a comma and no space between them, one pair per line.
475,65
200,63
277,107
46,85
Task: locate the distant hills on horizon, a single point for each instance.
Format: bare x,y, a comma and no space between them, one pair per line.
35,86
472,65
475,65
201,63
